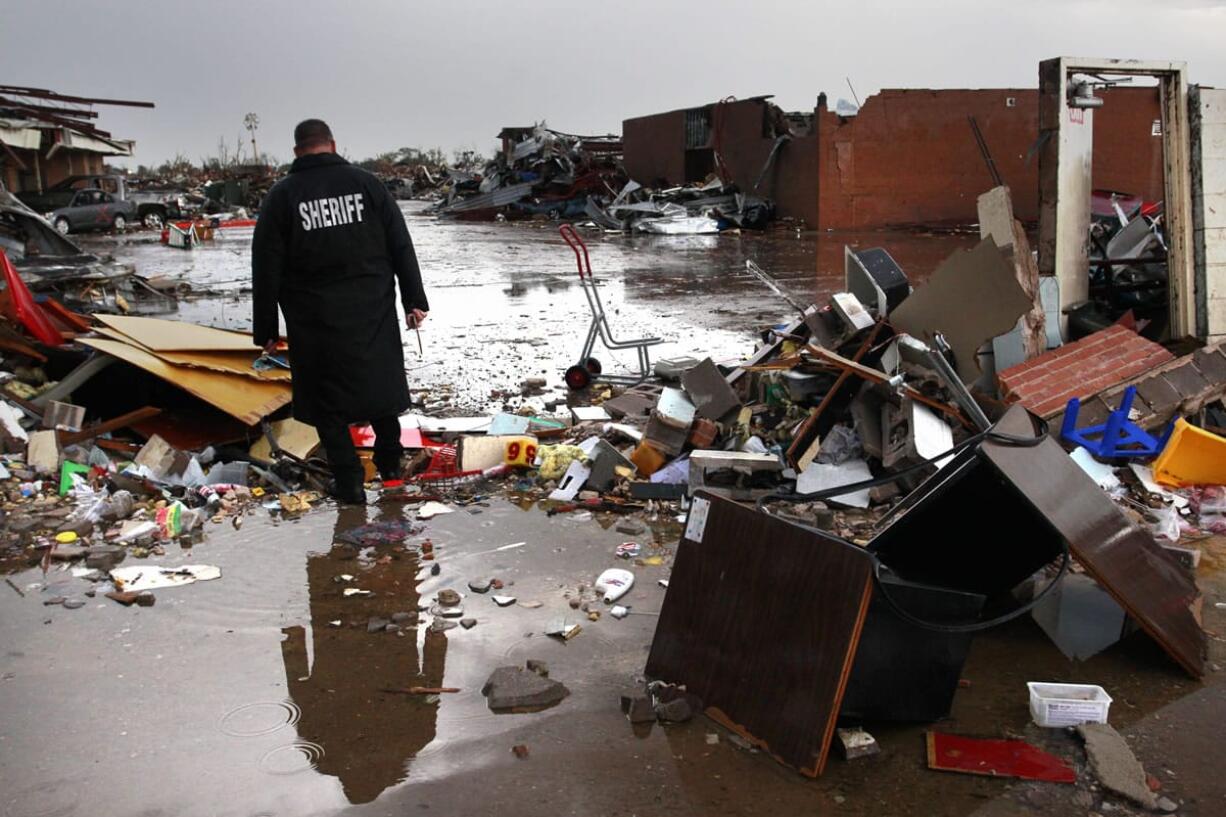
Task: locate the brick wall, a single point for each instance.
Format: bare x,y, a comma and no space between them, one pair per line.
910,157
1080,369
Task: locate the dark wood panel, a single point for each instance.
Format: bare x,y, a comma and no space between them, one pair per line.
761,621
1125,560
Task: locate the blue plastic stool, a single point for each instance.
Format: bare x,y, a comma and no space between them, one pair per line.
1118,437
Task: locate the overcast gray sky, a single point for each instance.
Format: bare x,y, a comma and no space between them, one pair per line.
451,73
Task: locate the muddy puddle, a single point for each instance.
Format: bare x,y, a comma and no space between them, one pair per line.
264,692
507,304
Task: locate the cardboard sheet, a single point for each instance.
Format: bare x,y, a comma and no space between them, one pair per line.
970,299
240,397
231,362
174,336
293,437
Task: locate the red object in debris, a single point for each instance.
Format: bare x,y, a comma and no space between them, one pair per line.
364,437
995,758
1080,369
25,311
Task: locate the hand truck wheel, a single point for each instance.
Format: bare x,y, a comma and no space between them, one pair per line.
578,378
593,366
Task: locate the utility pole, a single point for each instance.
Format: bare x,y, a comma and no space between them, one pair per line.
251,121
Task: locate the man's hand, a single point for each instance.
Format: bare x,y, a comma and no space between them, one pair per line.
271,346
415,318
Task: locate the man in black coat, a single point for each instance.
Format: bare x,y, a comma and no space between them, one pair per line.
329,246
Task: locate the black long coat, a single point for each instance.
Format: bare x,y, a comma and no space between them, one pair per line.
329,247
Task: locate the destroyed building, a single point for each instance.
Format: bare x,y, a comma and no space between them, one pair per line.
45,137
849,169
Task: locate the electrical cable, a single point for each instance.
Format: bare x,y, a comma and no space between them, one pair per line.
1003,438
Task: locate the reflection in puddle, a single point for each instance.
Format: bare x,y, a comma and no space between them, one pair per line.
259,718
350,728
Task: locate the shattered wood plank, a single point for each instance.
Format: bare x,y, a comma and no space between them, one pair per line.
114,424
242,398
806,435
782,692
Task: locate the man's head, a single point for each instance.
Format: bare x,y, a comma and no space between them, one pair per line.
313,136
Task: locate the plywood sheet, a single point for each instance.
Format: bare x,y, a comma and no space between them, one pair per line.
175,336
240,397
761,621
233,362
970,299
1155,590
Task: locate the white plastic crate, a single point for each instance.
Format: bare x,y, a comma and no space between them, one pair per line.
1068,704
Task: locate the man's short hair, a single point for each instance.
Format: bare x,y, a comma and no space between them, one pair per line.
312,132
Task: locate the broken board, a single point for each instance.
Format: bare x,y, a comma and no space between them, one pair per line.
761,621
970,299
231,362
1145,580
240,397
995,758
176,336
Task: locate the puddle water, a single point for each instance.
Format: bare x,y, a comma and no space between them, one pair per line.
507,304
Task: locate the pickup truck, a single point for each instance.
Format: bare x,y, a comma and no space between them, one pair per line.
149,207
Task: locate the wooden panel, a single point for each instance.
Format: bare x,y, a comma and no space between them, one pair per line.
1125,560
175,336
240,397
761,621
232,362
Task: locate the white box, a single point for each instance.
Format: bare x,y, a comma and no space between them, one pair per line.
1055,705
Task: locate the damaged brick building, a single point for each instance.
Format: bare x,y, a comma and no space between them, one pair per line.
907,157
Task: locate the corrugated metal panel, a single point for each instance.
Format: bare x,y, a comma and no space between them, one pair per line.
19,137
497,198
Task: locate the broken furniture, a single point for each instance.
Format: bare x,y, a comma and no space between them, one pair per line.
761,622
731,474
1192,456
588,369
1017,507
1117,437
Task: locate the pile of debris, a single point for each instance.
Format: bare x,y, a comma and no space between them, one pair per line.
52,264
541,172
700,209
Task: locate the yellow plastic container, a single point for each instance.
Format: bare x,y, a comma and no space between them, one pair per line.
1192,456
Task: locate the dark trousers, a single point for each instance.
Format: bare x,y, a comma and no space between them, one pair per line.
343,457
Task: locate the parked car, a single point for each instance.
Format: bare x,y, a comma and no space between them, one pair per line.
153,208
93,209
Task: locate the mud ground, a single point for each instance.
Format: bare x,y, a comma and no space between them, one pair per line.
241,697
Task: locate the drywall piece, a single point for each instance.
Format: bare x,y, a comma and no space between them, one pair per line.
980,278
765,638
478,452
821,477
43,452
708,390
589,414
996,221
293,437
176,336
10,419
239,397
